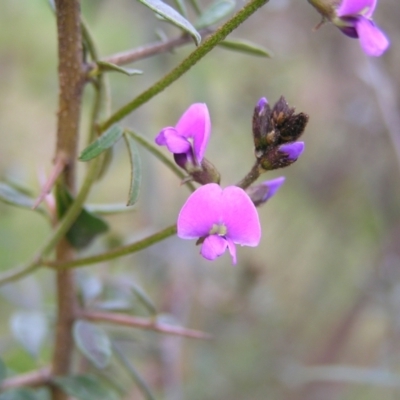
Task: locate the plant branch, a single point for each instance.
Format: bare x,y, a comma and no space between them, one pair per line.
72,77
115,253
31,379
152,49
187,63
142,323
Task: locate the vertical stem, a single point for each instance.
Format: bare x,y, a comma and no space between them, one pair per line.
71,82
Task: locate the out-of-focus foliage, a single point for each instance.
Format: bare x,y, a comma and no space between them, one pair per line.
323,286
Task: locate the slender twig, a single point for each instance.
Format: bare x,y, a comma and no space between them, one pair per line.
32,379
165,160
152,49
249,9
150,324
251,177
115,253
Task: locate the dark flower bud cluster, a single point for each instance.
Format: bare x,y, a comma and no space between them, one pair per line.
275,133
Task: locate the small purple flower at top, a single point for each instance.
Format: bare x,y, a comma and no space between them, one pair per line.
354,18
189,138
220,218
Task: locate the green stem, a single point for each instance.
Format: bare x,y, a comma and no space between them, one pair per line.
115,253
187,63
165,160
251,177
65,224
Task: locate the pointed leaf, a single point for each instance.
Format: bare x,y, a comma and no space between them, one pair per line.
19,394
86,227
136,170
103,142
215,13
85,387
106,66
172,16
247,47
93,342
108,209
30,329
11,195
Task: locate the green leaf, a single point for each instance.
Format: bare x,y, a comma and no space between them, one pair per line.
106,66
93,342
85,387
86,227
108,209
18,394
143,298
171,15
3,371
215,13
136,170
102,143
30,329
247,47
11,195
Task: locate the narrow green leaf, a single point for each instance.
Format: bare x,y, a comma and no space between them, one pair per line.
115,305
85,387
136,170
141,383
143,298
11,195
215,13
93,342
86,227
19,394
108,209
102,143
106,66
30,329
247,47
172,16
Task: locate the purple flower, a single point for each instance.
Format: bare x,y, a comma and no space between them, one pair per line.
354,19
189,138
220,218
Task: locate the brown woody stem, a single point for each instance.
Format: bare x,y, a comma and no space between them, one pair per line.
71,74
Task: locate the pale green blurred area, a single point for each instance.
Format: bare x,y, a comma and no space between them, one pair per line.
323,286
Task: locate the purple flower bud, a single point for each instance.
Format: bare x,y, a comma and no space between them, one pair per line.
262,103
354,19
262,192
220,218
293,150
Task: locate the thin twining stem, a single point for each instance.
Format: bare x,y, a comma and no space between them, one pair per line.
61,230
32,379
152,49
213,40
150,324
115,253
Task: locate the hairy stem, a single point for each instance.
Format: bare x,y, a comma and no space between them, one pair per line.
115,253
71,76
249,9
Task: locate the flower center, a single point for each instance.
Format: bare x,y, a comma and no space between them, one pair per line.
219,229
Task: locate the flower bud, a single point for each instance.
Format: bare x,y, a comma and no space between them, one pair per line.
262,192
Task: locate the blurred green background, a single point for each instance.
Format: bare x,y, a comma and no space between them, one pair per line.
314,311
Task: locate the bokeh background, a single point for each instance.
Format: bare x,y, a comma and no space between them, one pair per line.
314,311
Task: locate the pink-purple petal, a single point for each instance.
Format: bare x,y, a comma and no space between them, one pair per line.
195,124
373,41
232,250
273,186
200,212
213,247
356,7
240,217
175,142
